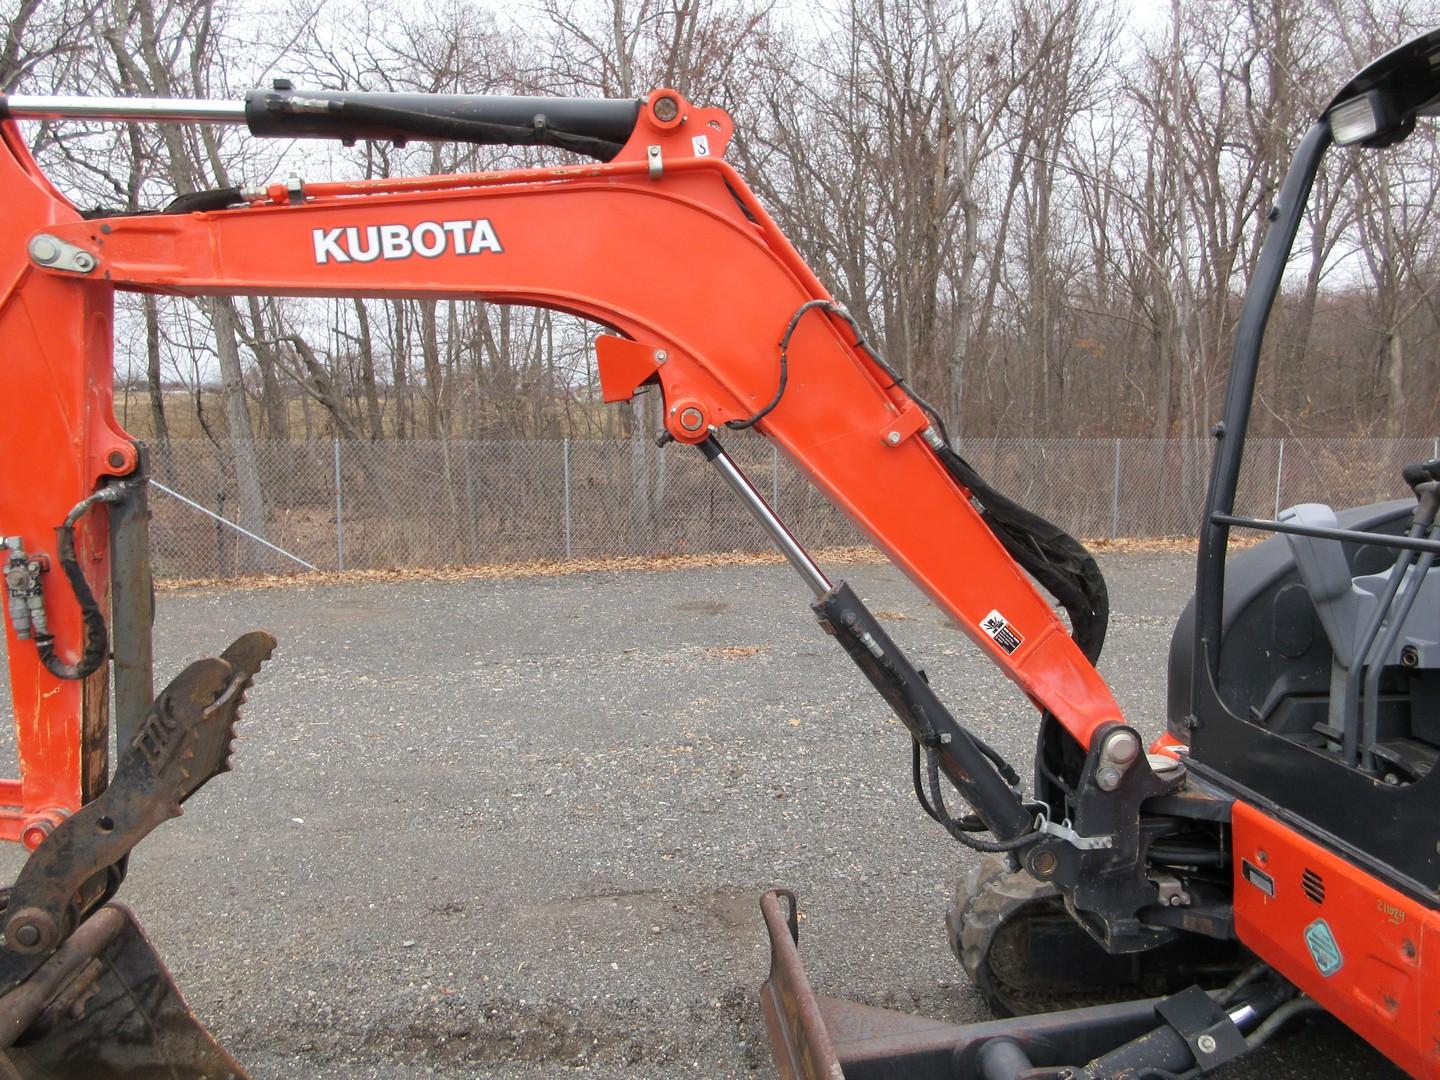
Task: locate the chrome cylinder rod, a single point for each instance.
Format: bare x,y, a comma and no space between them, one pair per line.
163,110
756,504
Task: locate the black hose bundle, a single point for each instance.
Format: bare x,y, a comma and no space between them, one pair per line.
97,643
1060,563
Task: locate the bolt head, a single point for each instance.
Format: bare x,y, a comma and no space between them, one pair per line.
661,356
1206,1043
1108,778
692,419
27,935
84,262
44,250
666,109
893,438
1122,747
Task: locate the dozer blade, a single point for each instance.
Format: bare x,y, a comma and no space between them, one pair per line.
824,1038
104,1007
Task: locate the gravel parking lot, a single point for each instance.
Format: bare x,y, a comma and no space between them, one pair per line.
518,828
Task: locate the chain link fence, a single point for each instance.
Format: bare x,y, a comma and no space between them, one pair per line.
370,505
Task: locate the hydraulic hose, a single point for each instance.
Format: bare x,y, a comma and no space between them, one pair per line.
937,810
1300,1006
96,641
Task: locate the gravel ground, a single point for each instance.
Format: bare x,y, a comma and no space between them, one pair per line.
514,829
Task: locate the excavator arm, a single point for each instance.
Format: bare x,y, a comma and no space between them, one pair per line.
661,242
667,246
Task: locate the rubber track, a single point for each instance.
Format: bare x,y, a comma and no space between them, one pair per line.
987,898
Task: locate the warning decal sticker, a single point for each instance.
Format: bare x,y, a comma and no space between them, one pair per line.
1001,632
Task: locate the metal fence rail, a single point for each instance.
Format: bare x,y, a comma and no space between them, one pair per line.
364,505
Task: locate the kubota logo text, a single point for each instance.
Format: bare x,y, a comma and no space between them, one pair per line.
429,239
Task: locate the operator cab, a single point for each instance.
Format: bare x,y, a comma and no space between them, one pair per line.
1305,674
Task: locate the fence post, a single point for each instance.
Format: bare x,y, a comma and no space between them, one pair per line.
339,512
1115,496
565,457
1279,472
775,477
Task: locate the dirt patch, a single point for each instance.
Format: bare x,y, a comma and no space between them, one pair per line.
637,909
653,912
508,1032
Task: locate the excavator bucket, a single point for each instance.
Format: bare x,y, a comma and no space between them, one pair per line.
825,1038
85,997
104,1007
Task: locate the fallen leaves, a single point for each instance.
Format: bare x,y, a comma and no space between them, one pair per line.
838,556
733,652
533,568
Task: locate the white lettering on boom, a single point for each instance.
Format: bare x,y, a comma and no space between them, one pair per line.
428,239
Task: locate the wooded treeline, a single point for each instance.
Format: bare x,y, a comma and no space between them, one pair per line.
1043,212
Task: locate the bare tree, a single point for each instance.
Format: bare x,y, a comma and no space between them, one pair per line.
168,48
42,37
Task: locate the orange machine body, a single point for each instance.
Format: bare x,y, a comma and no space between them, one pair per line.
665,245
60,439
1366,952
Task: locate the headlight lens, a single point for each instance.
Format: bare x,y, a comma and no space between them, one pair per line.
1356,120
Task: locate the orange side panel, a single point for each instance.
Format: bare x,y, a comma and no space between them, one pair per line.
1355,945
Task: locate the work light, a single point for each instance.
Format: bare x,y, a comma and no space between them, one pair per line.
1360,119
